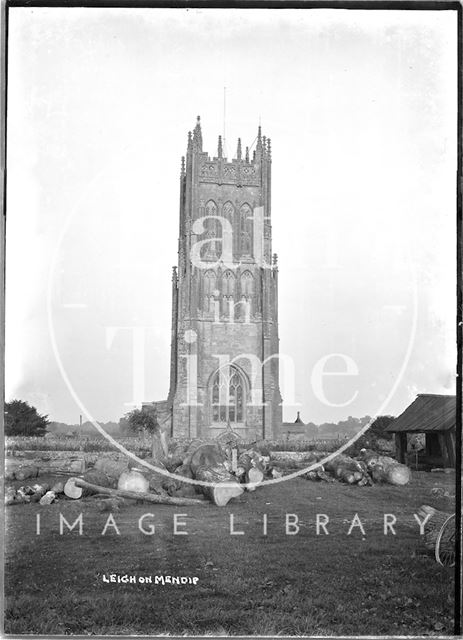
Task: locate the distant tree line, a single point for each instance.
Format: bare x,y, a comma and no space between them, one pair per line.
349,427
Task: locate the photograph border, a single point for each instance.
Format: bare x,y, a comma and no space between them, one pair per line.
369,5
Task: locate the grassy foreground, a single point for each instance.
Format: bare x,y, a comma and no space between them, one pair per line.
300,584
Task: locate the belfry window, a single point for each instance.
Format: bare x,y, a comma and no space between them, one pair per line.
210,291
246,238
211,228
247,284
228,396
228,284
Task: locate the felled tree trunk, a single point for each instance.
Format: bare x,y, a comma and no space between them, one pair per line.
225,486
24,469
207,464
175,486
111,468
205,455
253,473
155,480
25,472
386,469
131,495
318,474
346,469
93,477
296,457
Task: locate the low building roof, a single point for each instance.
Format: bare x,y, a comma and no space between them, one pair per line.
428,412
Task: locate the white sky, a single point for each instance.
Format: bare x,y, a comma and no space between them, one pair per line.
361,108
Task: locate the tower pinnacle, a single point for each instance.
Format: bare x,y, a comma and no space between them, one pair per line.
197,135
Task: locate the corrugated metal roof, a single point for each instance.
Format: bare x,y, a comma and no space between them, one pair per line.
429,412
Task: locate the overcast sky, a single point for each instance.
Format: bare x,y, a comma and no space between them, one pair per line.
361,107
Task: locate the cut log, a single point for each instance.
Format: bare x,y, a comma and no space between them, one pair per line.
21,469
131,495
154,479
245,461
296,456
58,488
172,485
111,468
206,455
93,477
254,468
346,469
133,481
225,486
254,477
41,488
23,472
48,498
317,475
71,490
386,469
240,471
173,462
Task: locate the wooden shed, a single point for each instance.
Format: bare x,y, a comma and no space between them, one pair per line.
435,416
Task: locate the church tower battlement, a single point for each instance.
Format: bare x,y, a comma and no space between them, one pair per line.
224,344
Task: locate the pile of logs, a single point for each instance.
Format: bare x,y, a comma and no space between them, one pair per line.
208,470
42,493
368,469
349,470
27,468
385,469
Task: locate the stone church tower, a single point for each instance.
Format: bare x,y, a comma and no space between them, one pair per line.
224,353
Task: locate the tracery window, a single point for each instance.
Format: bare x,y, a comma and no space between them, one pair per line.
210,289
228,283
247,284
245,234
228,396
212,230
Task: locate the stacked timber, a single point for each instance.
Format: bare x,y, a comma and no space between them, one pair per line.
207,464
385,469
348,470
24,468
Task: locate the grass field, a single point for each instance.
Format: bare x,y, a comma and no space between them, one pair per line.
300,584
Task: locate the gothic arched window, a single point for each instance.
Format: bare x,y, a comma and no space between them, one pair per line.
210,283
228,211
210,290
212,230
211,208
245,235
228,396
247,284
228,284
